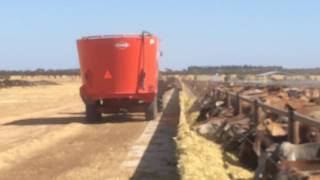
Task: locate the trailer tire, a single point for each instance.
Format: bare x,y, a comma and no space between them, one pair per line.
151,110
92,116
160,103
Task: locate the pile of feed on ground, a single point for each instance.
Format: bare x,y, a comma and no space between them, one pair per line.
199,158
9,82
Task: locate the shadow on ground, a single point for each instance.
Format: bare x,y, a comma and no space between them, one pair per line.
76,118
159,160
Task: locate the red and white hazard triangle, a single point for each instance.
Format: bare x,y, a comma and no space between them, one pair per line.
107,75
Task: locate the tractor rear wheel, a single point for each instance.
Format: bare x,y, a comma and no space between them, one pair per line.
92,116
151,110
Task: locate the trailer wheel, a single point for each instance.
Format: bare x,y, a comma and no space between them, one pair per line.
160,103
151,110
92,116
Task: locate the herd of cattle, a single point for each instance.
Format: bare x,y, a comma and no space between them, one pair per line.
262,145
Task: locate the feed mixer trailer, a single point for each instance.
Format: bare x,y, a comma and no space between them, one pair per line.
119,73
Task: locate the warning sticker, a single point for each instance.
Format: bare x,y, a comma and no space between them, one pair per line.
107,75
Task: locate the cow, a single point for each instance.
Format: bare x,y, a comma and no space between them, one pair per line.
309,134
267,164
293,152
288,152
209,108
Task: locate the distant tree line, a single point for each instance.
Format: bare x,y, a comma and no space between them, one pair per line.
48,72
232,69
310,71
241,70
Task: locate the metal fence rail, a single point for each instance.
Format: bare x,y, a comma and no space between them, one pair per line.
294,118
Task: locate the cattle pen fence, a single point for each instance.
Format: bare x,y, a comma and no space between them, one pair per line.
235,100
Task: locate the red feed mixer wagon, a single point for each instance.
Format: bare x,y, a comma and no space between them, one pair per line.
119,73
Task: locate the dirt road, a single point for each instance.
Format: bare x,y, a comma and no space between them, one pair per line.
54,142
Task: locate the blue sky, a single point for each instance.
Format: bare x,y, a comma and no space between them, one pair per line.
271,32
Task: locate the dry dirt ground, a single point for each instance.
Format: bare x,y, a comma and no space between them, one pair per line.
43,136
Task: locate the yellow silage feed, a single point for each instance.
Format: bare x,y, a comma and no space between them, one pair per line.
199,158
